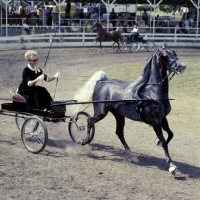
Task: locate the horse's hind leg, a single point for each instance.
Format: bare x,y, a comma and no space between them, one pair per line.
100,111
118,46
113,45
120,122
100,46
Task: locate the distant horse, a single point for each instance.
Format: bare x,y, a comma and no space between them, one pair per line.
149,94
103,35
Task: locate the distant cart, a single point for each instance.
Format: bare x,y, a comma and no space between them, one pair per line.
139,44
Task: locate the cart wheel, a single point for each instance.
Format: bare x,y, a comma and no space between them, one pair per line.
78,129
133,47
150,46
19,120
125,46
34,134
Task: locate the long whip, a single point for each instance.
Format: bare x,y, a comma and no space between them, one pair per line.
49,51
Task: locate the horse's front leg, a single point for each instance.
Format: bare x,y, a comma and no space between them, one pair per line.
166,128
100,46
119,46
157,128
95,40
113,45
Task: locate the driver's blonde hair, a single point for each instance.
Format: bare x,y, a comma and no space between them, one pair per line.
29,54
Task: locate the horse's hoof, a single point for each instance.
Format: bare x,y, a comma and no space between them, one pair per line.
132,157
173,169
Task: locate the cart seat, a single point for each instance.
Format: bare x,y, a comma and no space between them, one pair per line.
18,97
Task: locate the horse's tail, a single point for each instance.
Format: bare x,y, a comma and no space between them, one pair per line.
85,93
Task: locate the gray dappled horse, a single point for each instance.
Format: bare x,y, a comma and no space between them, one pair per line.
103,35
150,92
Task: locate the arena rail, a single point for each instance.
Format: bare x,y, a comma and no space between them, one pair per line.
82,39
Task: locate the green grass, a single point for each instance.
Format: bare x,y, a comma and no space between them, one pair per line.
185,88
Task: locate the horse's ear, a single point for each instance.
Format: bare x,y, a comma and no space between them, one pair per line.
164,45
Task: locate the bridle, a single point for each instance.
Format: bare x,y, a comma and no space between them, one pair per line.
172,71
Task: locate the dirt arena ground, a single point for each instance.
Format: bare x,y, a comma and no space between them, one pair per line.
101,170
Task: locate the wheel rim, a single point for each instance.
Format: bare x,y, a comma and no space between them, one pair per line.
78,128
150,46
133,47
34,135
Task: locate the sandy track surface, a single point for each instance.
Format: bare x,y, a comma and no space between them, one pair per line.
101,170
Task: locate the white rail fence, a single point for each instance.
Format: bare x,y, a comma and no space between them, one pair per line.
18,40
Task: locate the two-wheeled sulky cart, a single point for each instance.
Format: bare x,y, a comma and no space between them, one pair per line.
34,133
139,44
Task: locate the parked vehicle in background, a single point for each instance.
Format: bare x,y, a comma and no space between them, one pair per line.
167,20
100,8
122,8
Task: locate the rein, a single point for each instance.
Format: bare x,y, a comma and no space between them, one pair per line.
161,82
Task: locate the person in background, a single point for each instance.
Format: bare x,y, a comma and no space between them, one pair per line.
186,24
68,10
22,14
38,11
145,16
104,24
43,14
157,17
81,14
37,96
134,33
94,16
49,16
177,28
158,27
12,10
131,25
20,9
113,17
191,21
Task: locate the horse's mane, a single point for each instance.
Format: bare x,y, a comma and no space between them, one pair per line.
132,90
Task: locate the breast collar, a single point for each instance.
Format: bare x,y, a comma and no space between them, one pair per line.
36,69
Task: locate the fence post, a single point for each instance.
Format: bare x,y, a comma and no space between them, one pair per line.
83,35
50,40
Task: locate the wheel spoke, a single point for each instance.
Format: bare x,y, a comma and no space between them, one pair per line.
34,134
78,129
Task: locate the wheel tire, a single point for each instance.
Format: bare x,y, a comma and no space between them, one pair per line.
150,46
78,129
19,120
34,134
133,47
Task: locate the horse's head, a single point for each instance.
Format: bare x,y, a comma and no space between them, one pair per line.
170,61
120,29
97,24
